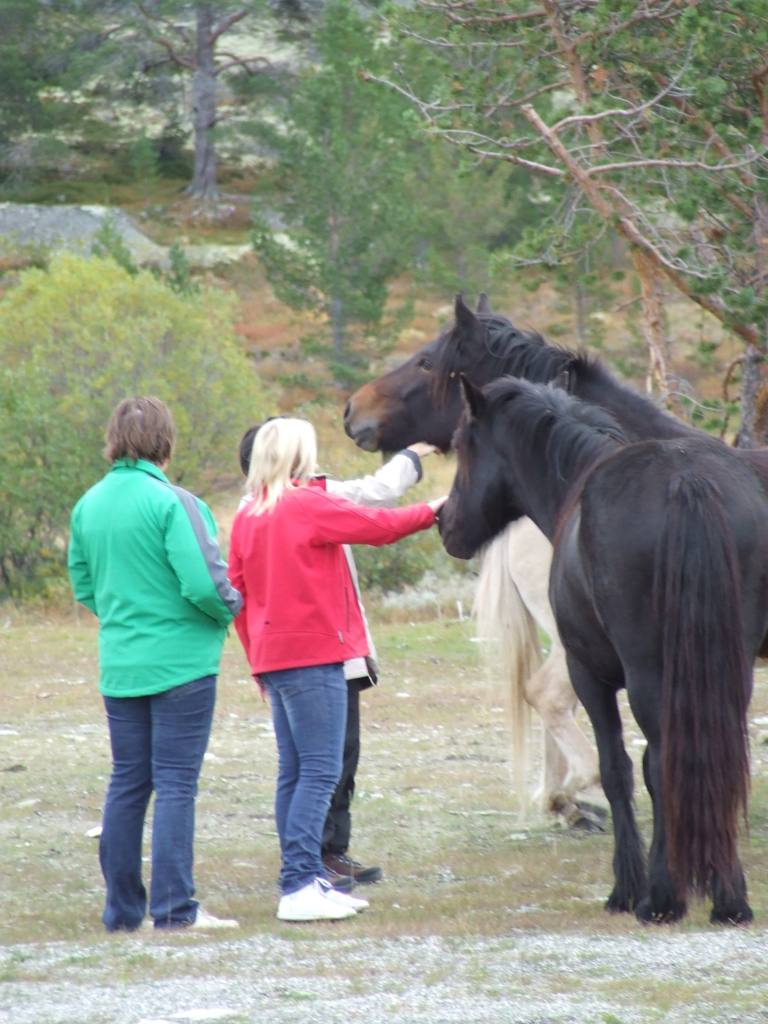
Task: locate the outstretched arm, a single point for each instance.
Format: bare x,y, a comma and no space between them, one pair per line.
388,483
337,521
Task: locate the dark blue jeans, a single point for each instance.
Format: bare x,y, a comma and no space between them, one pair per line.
158,744
309,711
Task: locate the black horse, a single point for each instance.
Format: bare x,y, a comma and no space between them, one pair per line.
658,585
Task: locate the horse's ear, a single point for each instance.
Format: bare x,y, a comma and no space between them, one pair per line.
474,399
483,305
468,324
562,381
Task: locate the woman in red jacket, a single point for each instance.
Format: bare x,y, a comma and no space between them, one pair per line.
299,622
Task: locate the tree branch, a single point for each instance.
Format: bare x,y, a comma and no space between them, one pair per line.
627,165
412,98
481,19
531,96
709,129
553,172
626,226
182,62
221,28
240,62
618,112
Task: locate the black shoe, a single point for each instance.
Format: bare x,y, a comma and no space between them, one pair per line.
342,866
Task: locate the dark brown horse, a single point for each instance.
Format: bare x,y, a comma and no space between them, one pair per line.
658,586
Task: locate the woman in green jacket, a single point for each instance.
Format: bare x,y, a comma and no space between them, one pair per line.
143,557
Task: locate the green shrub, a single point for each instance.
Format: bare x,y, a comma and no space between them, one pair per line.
74,340
395,566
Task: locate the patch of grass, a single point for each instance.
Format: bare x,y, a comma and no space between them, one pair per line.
433,807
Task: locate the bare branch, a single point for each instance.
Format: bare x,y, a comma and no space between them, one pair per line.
481,19
553,172
733,363
242,62
425,108
627,227
661,15
625,305
225,25
175,58
694,115
621,112
531,95
699,165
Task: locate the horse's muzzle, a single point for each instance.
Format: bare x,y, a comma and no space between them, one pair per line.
364,433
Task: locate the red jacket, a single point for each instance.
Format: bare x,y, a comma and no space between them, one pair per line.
299,604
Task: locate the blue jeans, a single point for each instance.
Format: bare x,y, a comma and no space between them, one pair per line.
309,711
158,743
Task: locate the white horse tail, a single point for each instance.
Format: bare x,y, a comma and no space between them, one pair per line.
512,648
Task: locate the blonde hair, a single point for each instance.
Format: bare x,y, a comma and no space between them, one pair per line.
284,450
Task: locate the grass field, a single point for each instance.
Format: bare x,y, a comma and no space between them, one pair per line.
433,805
433,808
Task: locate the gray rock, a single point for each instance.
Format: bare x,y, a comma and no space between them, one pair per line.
27,227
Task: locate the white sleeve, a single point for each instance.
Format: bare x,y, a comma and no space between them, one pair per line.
385,486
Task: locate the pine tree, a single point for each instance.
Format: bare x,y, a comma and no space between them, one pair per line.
336,223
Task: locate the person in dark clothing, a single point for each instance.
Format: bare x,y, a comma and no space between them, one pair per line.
379,490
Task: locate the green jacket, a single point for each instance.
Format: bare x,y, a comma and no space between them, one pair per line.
142,556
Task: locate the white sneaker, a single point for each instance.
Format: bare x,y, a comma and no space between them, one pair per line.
341,899
311,904
207,922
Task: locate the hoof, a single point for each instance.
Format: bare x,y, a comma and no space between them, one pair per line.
732,915
617,904
595,811
583,820
646,913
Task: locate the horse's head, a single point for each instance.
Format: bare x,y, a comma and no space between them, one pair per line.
481,502
523,449
420,400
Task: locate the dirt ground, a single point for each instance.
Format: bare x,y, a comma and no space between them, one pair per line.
481,917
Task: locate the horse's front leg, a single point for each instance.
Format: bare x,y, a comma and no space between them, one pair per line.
599,700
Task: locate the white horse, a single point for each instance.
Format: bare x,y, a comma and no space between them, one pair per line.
512,597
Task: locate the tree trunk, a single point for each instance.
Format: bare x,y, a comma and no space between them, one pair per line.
654,330
204,107
581,316
421,259
754,401
337,326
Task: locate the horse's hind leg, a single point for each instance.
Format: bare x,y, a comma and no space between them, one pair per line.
599,700
571,769
730,904
662,903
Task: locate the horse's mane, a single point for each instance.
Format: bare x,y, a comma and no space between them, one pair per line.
577,434
509,351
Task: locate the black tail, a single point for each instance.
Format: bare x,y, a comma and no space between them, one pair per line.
705,686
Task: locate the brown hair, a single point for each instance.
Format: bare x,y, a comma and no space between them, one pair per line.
140,428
